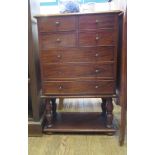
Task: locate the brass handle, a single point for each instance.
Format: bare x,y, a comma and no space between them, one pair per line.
97,70
96,54
58,40
57,22
97,37
96,87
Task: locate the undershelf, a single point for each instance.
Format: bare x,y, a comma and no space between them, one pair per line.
92,122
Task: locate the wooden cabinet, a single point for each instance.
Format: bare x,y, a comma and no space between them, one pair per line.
78,58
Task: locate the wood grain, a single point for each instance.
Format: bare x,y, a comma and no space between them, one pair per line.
78,87
65,55
78,70
49,41
96,21
53,24
96,38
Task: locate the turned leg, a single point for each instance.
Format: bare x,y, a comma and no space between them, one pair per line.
48,113
54,107
109,106
103,107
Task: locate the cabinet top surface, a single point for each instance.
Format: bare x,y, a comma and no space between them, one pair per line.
79,13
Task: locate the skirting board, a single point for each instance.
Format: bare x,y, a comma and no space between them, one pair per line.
35,128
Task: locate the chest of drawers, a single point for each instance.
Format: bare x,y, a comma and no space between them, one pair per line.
78,57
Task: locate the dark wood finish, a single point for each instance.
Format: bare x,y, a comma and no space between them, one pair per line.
78,70
109,106
53,24
123,75
49,41
78,57
96,21
64,55
48,113
78,96
121,84
97,38
79,122
34,86
104,108
78,87
54,107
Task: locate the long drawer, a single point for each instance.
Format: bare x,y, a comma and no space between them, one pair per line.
78,55
51,40
97,38
78,70
79,87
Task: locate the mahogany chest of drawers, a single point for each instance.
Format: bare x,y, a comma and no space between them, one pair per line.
78,57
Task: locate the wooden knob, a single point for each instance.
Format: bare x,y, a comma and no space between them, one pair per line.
59,56
97,21
97,70
60,87
96,86
97,37
57,22
58,40
96,55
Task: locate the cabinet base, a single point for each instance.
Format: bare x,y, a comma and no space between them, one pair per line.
92,122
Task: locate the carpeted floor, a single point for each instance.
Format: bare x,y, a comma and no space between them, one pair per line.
79,144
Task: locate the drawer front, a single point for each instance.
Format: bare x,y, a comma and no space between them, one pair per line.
96,21
78,55
52,24
79,87
49,41
96,38
81,70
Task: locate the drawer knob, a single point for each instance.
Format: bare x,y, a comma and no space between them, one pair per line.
60,87
97,21
97,37
58,40
96,54
57,22
59,56
96,87
97,70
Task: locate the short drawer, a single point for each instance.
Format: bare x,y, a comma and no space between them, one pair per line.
79,87
78,55
96,21
78,70
97,38
49,41
52,24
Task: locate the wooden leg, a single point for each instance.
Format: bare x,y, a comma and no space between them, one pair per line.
54,107
103,106
48,113
109,106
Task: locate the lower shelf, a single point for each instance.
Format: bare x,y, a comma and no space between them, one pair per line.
79,122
